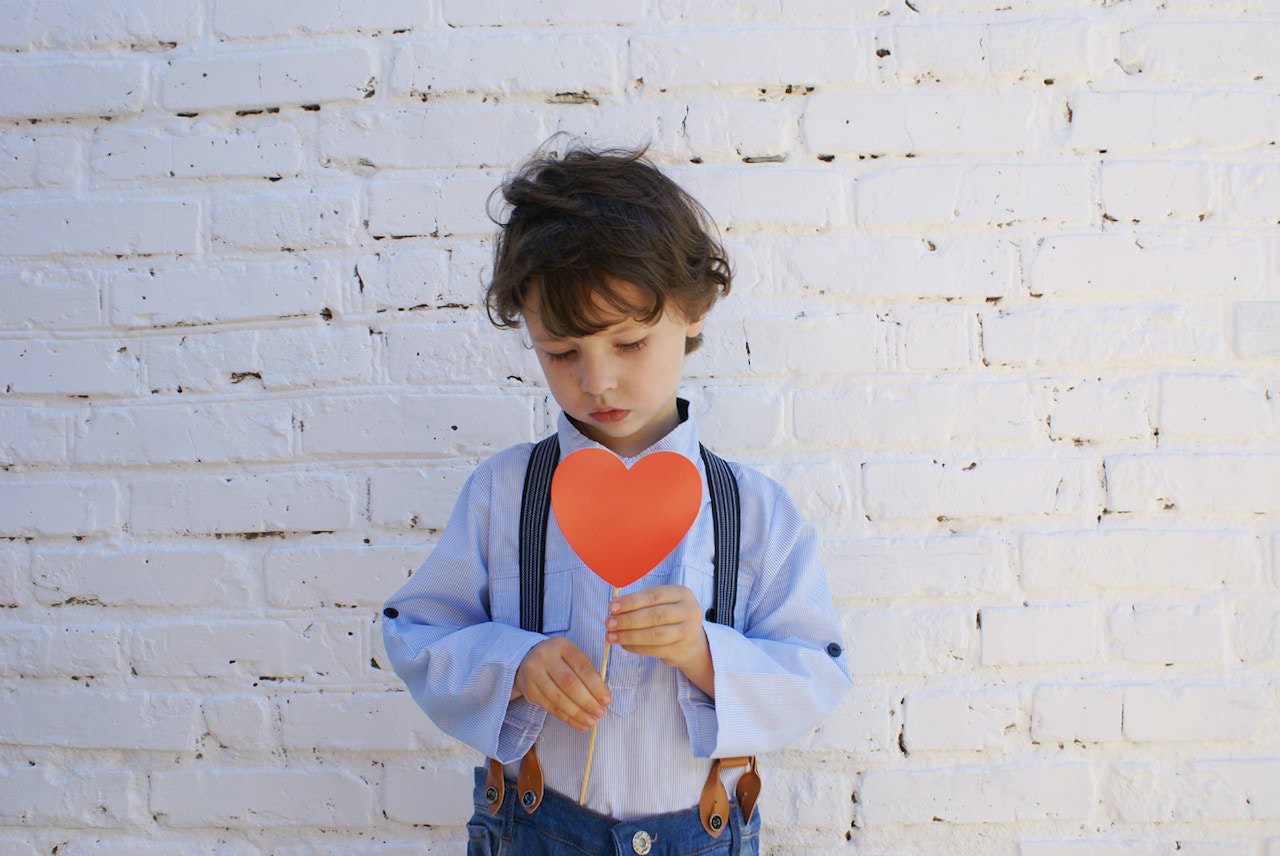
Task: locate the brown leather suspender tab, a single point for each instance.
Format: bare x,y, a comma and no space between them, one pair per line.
495,787
530,782
713,808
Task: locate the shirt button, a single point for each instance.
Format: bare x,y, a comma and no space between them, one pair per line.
834,650
391,612
641,842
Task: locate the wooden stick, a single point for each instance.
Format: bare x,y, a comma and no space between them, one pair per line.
591,747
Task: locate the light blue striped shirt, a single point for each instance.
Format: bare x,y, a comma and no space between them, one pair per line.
456,642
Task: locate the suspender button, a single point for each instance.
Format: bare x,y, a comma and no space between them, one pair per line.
641,842
528,799
491,795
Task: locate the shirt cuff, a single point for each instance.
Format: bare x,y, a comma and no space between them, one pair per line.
699,709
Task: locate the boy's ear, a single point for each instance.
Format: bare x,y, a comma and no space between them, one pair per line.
694,328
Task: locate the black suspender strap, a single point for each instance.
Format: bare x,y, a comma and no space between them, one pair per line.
726,517
535,508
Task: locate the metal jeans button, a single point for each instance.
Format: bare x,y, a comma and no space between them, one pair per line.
641,842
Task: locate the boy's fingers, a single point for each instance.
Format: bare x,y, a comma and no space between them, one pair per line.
647,597
589,679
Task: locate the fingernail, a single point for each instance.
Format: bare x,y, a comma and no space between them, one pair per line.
611,623
612,637
614,606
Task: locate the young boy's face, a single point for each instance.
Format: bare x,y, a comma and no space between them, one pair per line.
618,385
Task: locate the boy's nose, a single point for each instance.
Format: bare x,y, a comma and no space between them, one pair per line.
596,378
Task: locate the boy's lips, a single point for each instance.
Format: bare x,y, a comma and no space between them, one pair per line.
609,414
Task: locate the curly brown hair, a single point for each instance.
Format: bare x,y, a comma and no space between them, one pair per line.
576,221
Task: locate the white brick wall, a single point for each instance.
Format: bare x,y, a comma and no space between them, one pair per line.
1006,323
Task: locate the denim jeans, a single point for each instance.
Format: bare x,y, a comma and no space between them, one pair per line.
561,826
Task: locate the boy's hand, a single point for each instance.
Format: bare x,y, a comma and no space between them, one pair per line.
664,622
557,677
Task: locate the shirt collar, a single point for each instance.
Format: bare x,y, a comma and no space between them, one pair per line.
682,439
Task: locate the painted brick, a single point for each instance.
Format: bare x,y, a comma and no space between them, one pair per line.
88,719
255,503
412,280
464,13
308,577
821,802
261,798
31,437
419,498
727,131
488,62
1257,330
866,722
1032,52
767,196
452,354
900,267
414,425
1231,789
219,293
989,195
1123,335
1152,191
272,151
66,796
863,124
1253,194
1194,713
937,340
909,642
12,565
11,845
1213,406
68,367
1154,559
1194,483
96,226
1076,714
61,299
738,418
821,491
67,23
276,221
1172,121
916,414
950,721
44,508
65,651
1211,50
974,487
403,789
1109,266
990,794
359,721
908,567
108,845
83,89
403,207
751,57
1168,636
19,157
1141,791
279,358
1091,411
831,344
185,433
1023,635
271,650
1254,627
247,81
244,723
425,136
247,19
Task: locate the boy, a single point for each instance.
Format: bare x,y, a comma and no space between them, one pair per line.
612,269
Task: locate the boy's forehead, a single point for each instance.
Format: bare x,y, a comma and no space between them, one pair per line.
603,311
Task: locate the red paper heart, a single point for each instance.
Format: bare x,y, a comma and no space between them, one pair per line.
622,522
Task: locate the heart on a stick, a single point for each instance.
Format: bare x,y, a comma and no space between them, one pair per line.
622,522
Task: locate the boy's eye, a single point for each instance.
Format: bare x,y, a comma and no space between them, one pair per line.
560,357
631,346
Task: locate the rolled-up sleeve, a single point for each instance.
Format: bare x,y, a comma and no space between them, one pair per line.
785,670
459,664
